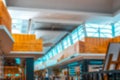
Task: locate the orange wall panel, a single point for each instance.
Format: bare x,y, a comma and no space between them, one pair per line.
95,45
90,45
25,42
5,18
23,37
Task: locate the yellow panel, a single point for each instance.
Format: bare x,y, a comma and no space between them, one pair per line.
23,37
25,42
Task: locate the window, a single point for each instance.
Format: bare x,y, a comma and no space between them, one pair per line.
81,33
98,30
53,52
66,42
117,28
74,36
59,47
19,26
49,54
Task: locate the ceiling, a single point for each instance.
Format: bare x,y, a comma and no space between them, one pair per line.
116,5
63,11
51,33
49,19
71,5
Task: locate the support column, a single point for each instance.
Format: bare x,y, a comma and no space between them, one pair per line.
1,67
29,69
113,30
85,66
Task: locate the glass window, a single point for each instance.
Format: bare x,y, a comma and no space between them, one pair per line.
48,54
81,33
98,30
47,57
82,37
19,26
44,59
105,35
66,42
51,54
54,52
117,28
91,29
106,31
59,47
55,49
74,36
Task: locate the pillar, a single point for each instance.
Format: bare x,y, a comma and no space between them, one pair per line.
29,69
1,67
84,66
113,30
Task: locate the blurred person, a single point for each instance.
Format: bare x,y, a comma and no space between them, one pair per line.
46,76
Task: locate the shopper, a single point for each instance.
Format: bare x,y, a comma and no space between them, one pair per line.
46,76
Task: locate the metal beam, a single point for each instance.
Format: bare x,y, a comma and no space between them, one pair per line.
61,21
